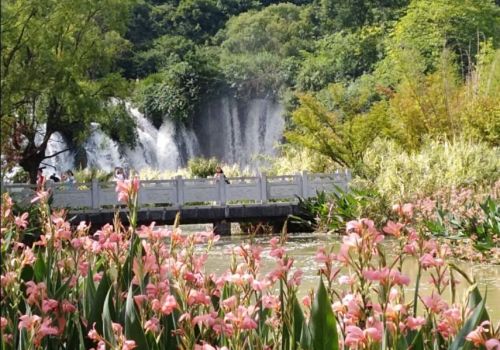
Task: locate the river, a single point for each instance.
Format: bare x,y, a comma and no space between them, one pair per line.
302,247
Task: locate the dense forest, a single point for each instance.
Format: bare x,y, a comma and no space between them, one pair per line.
348,72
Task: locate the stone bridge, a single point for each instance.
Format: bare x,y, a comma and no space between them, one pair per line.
269,199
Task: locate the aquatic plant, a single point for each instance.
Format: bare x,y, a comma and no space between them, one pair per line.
147,288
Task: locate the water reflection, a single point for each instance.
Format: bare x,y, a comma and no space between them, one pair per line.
303,248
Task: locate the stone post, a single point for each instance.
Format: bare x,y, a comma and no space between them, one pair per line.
95,194
180,190
263,188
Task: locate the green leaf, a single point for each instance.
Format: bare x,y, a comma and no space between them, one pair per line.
298,322
40,268
322,325
169,324
472,322
415,340
27,273
133,328
90,292
107,318
98,302
59,292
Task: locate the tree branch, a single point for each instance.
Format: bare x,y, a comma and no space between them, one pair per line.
57,153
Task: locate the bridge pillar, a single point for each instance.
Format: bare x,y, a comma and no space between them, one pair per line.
222,228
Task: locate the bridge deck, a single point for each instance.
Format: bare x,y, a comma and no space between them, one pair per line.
249,198
272,212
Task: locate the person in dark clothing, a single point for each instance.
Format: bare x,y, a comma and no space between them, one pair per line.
54,178
219,174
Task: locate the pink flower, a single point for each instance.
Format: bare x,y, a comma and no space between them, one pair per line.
49,305
40,196
129,345
3,322
306,301
393,228
270,302
427,260
354,337
68,307
492,344
152,325
198,297
47,329
229,303
29,321
414,323
248,323
122,188
434,303
169,305
136,184
476,336
21,221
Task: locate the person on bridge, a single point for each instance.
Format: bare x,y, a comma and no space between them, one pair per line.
40,179
219,174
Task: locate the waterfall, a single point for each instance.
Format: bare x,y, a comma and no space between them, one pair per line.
232,131
238,132
166,147
60,163
102,152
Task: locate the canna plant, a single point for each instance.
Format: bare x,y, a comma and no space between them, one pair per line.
128,287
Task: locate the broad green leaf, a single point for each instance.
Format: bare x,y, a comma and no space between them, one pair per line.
98,303
133,328
417,341
322,325
169,341
107,318
59,292
90,292
40,268
298,321
469,325
27,273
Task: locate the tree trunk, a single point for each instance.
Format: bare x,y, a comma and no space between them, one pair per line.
32,163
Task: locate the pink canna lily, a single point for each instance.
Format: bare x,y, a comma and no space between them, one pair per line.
393,228
492,344
434,303
21,221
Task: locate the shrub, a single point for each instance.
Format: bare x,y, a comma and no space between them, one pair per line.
202,167
401,176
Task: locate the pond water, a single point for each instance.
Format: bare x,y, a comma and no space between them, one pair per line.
302,247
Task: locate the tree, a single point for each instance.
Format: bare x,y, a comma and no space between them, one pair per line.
339,128
259,48
460,25
57,62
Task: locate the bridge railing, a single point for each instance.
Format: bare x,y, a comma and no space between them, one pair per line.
182,192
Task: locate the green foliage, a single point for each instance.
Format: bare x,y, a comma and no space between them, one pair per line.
429,26
338,130
201,167
483,229
321,329
331,211
172,93
119,125
86,175
258,48
341,56
57,72
401,175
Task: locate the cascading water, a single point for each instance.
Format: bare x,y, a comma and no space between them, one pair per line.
238,132
231,131
56,145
